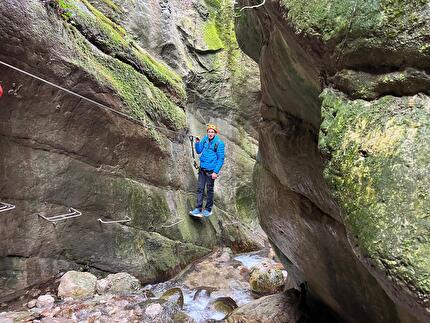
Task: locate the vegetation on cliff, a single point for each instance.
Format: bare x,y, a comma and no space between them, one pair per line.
378,170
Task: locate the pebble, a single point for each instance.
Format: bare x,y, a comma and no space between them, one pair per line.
153,310
45,301
31,303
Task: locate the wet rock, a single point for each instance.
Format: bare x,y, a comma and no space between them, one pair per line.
282,307
45,301
56,320
225,255
153,310
77,284
31,303
182,317
118,283
11,317
161,311
266,279
244,272
103,286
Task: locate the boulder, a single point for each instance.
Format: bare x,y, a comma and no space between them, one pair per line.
266,279
161,311
31,303
118,283
282,307
77,284
153,310
44,301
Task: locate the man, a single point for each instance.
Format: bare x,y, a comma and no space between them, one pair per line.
211,149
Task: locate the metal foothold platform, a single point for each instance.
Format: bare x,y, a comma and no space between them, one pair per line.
127,219
6,207
73,213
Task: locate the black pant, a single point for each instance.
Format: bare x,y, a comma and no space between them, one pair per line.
205,179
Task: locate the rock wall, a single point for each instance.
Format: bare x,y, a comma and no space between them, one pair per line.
343,143
60,151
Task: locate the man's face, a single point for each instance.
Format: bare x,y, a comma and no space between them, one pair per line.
211,133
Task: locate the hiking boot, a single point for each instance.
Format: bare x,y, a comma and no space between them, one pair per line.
196,213
207,213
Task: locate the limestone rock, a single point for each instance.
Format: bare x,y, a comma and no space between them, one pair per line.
266,279
74,153
11,317
153,310
45,301
77,284
342,186
226,255
282,307
103,286
118,283
31,303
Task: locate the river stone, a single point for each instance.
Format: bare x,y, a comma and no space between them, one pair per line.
45,301
266,279
31,303
77,284
103,286
119,283
153,310
282,307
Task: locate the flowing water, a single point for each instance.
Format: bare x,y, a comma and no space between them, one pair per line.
211,288
220,275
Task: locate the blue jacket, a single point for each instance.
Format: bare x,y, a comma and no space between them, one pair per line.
210,159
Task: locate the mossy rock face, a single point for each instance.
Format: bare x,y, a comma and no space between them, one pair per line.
139,79
378,169
71,152
370,60
379,21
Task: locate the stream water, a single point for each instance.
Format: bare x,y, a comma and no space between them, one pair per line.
220,275
207,290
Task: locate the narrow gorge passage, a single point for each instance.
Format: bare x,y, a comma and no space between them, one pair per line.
324,111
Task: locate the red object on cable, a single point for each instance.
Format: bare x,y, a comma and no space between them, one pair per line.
1,91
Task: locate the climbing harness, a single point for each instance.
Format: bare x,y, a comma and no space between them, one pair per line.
127,219
6,207
73,213
196,166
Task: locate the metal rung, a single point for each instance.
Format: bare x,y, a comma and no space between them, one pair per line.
172,224
73,213
6,207
127,219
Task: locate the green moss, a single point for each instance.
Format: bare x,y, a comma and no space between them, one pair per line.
331,19
219,32
213,4
246,203
148,209
379,173
142,99
112,5
210,35
113,40
158,257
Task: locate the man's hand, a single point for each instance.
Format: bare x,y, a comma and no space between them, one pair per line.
214,175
